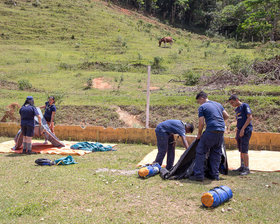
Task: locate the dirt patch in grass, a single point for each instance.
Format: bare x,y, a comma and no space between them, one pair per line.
8,85
130,120
154,88
88,115
99,83
117,172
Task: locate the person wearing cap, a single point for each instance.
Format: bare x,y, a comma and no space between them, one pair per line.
27,113
243,133
211,141
50,110
165,139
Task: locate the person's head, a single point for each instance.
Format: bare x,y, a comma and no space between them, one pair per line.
201,97
51,100
234,100
189,127
29,100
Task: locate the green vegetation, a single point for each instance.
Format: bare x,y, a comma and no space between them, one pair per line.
80,193
251,20
60,47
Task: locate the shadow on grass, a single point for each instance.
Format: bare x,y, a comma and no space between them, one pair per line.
233,173
16,155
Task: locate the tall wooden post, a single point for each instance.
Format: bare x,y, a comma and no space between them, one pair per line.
148,97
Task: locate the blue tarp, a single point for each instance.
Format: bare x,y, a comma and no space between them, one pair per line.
65,161
92,147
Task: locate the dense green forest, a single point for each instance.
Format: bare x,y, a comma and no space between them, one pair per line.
246,20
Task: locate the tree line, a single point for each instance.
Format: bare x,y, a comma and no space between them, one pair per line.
246,20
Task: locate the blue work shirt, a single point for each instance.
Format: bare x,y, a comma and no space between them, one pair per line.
213,114
48,111
171,127
241,113
27,114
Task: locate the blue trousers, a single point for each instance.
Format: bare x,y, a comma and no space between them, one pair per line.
165,144
210,142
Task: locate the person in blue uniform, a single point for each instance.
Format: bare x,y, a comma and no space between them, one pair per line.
244,131
49,115
214,115
165,139
27,113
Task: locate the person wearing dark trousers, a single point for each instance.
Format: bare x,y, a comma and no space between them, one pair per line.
27,113
165,139
50,110
243,133
214,115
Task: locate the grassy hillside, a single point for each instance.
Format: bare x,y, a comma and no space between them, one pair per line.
59,47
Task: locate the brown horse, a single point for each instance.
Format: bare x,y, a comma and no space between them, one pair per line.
165,40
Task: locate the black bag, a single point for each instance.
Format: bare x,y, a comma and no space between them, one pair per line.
44,162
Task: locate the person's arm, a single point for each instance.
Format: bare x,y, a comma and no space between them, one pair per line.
200,127
39,119
249,119
42,107
52,118
185,143
225,115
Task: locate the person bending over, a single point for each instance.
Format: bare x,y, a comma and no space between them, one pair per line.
165,139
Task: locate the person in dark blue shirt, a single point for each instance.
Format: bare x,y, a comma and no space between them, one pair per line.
27,113
244,131
214,115
165,139
50,110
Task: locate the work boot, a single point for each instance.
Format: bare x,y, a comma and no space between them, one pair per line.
194,178
210,177
240,169
245,171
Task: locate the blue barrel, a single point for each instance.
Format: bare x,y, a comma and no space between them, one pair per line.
216,196
149,170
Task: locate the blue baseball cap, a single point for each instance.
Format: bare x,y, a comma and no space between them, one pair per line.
29,98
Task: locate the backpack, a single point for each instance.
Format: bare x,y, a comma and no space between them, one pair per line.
44,162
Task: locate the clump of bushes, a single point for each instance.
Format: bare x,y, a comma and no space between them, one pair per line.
191,78
239,65
24,84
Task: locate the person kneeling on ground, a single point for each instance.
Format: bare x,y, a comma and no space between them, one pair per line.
49,114
244,131
27,113
165,139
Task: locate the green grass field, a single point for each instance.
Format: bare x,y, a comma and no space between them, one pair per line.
81,194
58,46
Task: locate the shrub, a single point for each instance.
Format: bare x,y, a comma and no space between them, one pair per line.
157,62
239,64
140,57
191,79
89,83
24,84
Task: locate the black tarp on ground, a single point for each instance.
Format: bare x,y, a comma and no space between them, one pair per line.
184,167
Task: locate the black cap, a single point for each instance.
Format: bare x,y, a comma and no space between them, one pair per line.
233,97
